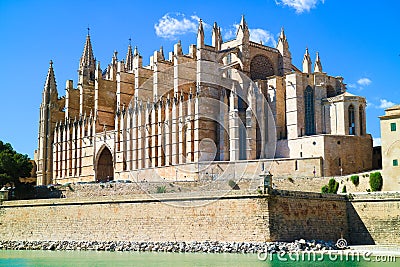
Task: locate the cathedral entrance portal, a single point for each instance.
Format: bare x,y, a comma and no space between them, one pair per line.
105,168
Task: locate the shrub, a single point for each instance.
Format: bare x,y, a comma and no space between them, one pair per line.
344,189
161,189
355,179
331,188
375,181
324,189
233,185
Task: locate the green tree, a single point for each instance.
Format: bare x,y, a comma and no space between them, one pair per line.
375,181
13,165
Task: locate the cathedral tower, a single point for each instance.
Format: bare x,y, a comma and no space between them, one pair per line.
48,118
86,74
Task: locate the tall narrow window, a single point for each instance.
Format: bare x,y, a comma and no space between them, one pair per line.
393,126
309,111
229,61
352,127
395,162
361,119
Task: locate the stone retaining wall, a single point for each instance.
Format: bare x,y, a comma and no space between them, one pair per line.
229,216
225,216
374,218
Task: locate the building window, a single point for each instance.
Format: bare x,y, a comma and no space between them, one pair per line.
361,119
393,126
352,127
309,110
395,162
229,61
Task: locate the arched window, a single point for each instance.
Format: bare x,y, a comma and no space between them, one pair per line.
330,91
361,118
352,126
309,111
261,68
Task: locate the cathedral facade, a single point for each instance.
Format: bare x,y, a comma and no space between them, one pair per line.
232,101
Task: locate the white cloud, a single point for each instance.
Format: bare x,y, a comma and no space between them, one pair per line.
256,35
364,81
170,26
299,5
370,104
231,32
385,104
376,141
352,85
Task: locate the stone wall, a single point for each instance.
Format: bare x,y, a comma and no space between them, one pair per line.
367,218
232,216
374,218
296,215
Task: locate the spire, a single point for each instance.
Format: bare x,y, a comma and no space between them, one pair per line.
307,62
317,65
178,48
283,44
162,53
87,59
216,37
243,22
283,47
200,35
282,35
135,52
243,30
129,58
50,85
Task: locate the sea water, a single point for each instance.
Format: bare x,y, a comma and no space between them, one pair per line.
102,258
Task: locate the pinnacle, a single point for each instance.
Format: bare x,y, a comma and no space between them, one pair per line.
50,83
87,58
200,25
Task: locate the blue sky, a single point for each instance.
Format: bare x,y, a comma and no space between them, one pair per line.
358,40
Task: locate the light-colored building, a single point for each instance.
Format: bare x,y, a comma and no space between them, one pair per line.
390,138
231,101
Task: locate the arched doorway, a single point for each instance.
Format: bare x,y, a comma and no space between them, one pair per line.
105,169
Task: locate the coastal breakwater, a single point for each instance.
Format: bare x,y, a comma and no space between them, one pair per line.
234,216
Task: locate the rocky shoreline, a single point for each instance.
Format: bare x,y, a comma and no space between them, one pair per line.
173,247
